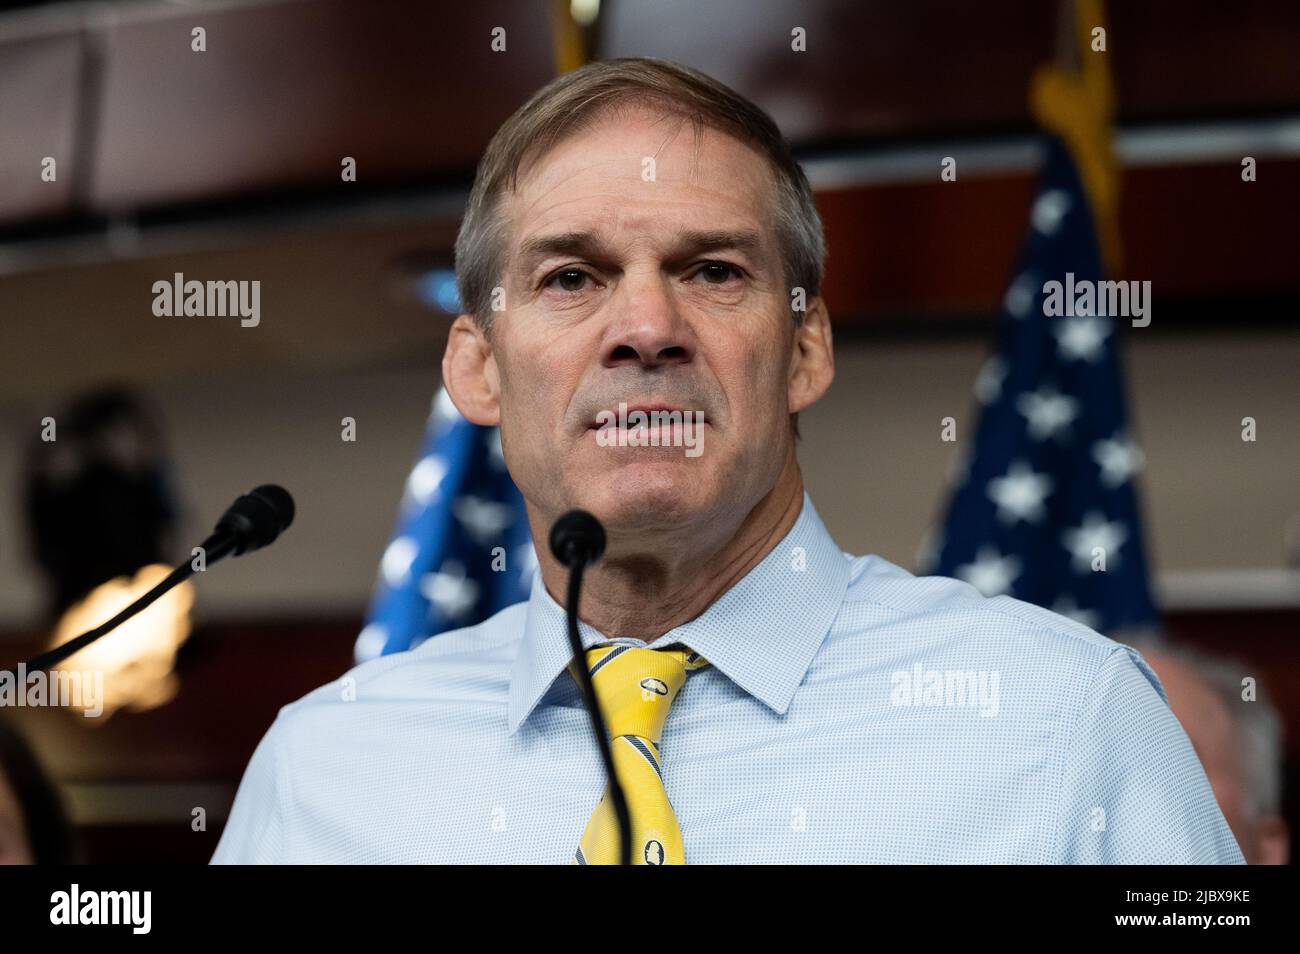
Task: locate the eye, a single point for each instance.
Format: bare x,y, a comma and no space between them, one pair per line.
718,273
569,279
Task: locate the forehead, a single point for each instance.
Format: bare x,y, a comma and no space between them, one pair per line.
641,171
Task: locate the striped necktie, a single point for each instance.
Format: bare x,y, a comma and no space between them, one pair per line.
636,686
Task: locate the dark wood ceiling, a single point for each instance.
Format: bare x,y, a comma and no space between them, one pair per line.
250,135
414,90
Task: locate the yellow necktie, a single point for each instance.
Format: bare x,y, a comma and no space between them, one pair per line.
636,687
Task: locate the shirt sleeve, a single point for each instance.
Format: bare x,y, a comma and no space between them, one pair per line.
254,832
1134,791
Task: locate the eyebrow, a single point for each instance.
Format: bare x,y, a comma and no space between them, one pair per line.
686,243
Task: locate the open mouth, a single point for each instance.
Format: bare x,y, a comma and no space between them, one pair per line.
649,415
651,424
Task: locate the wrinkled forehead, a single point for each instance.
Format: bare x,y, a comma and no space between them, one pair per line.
648,166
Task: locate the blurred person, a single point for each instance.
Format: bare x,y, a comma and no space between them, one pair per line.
98,498
639,239
34,829
1238,741
101,511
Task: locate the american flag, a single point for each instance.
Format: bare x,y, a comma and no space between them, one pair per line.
462,549
1044,507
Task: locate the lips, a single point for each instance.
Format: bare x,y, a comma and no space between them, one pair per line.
622,414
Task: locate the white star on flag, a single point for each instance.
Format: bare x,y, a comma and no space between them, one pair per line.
988,384
1066,606
1095,532
991,573
425,477
1082,338
450,590
1020,494
370,642
484,519
1020,296
397,560
1119,459
443,409
1047,411
1048,211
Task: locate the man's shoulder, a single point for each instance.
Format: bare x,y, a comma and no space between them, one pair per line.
474,660
882,595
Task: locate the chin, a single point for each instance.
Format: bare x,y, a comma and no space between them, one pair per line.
650,496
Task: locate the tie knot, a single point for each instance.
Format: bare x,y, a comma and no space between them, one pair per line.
636,686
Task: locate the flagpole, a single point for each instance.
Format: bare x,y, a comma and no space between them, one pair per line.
1073,97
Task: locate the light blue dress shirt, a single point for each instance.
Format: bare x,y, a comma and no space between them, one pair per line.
852,713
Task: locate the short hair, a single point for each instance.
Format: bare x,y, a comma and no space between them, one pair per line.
575,101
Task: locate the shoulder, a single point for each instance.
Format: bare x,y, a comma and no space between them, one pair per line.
471,661
926,612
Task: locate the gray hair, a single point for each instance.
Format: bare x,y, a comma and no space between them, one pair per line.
573,102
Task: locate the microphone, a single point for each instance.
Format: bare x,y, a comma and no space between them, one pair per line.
254,520
578,539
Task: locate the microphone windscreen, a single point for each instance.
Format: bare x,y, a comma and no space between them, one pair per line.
258,517
577,537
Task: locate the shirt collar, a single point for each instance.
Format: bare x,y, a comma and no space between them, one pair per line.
762,634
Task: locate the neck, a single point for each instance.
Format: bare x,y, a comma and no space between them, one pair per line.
650,583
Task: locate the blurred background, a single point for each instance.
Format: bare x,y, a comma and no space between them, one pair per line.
230,163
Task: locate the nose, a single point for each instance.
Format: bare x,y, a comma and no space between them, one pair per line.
648,328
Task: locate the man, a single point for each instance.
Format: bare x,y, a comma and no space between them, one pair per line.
639,235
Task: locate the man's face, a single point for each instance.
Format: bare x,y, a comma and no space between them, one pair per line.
643,272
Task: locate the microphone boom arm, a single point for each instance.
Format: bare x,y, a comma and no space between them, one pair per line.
252,521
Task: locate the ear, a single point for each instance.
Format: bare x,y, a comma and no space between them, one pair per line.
812,363
469,373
